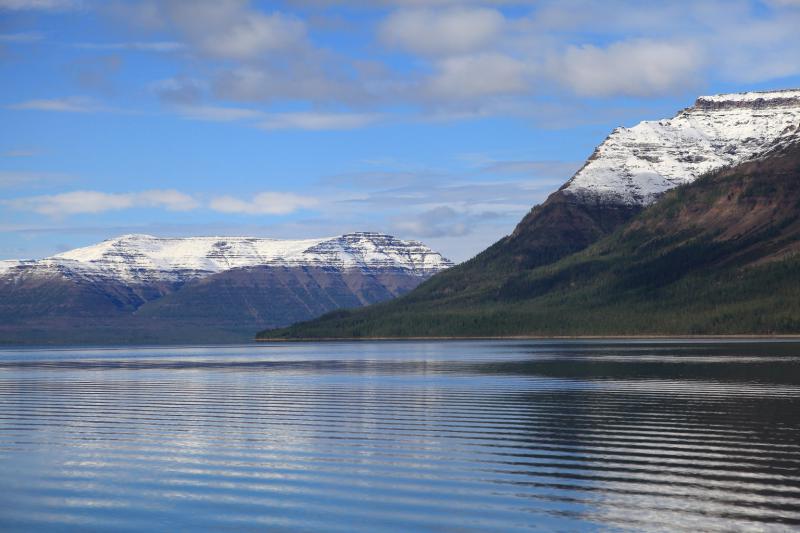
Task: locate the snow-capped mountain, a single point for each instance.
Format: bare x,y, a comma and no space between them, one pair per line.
140,288
144,258
633,166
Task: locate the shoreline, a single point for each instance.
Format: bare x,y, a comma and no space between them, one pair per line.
788,336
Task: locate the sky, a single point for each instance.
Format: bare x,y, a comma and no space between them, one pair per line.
436,120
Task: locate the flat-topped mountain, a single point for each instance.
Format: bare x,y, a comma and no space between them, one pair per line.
140,288
636,165
144,258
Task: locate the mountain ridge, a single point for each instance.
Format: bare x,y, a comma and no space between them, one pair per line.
140,288
140,257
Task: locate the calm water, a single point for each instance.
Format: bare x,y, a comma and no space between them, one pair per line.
401,436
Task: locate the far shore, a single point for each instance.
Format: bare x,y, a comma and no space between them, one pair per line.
794,336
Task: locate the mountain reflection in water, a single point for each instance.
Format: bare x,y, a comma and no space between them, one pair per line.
645,435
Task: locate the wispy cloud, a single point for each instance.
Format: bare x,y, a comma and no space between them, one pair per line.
140,46
89,202
443,221
219,113
95,202
265,203
24,179
534,168
318,121
40,5
19,153
180,90
61,105
313,121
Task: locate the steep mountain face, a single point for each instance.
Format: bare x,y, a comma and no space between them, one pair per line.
237,296
143,288
716,255
634,166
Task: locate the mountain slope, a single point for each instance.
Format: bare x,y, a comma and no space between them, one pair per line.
275,296
626,173
719,255
139,288
632,167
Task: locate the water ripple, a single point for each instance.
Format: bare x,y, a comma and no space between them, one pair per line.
403,436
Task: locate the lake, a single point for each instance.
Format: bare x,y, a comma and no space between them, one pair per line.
401,436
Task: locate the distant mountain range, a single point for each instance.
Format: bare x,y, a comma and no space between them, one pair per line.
680,226
140,288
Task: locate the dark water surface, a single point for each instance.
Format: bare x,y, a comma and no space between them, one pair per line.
402,436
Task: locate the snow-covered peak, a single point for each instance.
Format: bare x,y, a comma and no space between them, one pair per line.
636,165
8,264
148,258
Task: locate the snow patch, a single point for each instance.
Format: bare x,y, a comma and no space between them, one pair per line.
8,264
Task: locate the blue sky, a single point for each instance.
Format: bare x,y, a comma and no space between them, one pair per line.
443,121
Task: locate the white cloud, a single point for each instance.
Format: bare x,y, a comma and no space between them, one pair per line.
753,51
83,202
265,203
450,31
640,67
476,76
62,105
231,30
471,59
318,121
